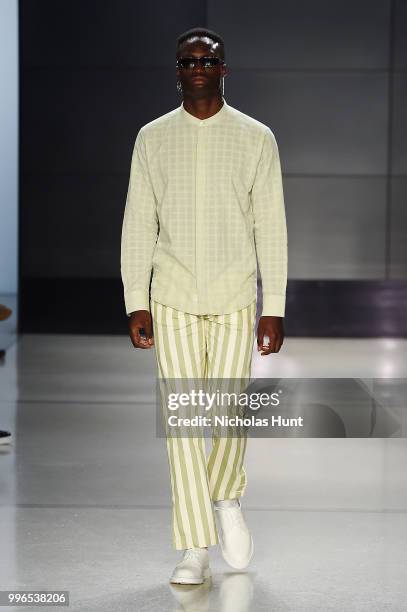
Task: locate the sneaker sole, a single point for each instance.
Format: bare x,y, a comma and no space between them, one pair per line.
206,574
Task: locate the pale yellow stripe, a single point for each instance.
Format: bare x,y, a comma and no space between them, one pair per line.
164,372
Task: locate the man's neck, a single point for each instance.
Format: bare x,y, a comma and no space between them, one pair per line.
203,108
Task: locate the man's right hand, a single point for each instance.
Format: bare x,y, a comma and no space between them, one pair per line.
141,319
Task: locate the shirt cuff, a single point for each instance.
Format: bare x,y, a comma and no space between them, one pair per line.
273,305
136,300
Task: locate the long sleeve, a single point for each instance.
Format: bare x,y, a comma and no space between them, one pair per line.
270,228
139,232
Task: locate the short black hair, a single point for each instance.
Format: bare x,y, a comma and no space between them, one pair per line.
203,32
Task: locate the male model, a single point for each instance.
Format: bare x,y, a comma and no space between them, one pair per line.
205,198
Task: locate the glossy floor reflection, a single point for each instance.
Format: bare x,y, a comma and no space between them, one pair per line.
85,493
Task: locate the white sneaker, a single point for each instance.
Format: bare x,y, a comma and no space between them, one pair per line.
193,568
235,538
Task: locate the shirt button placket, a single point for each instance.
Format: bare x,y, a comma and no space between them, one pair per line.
199,220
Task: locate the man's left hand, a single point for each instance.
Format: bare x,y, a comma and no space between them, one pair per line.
273,328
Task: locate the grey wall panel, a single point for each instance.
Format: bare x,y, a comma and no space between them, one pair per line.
335,227
302,35
317,73
85,121
326,123
71,224
398,239
400,26
341,218
399,139
97,33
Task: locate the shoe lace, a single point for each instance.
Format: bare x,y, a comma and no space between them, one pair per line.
236,519
192,553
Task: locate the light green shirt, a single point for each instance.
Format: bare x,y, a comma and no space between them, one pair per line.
205,197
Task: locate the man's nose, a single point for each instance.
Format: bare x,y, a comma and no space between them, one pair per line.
198,67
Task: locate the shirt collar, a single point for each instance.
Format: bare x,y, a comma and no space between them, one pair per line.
209,120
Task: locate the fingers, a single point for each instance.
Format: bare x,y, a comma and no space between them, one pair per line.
149,332
136,337
272,328
274,345
260,340
141,329
143,344
139,341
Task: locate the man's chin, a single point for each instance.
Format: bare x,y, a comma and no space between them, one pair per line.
200,90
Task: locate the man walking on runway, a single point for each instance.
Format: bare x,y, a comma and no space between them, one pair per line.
204,206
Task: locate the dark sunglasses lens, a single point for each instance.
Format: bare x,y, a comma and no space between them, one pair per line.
186,62
209,62
190,62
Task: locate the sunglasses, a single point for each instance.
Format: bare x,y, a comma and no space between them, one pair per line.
189,63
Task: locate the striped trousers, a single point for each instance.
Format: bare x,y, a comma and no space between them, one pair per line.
192,346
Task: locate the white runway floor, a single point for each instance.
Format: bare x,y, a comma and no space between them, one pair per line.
85,497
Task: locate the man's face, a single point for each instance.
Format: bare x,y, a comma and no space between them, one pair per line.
200,81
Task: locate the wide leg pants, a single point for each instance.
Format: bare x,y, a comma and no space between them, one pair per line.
206,347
